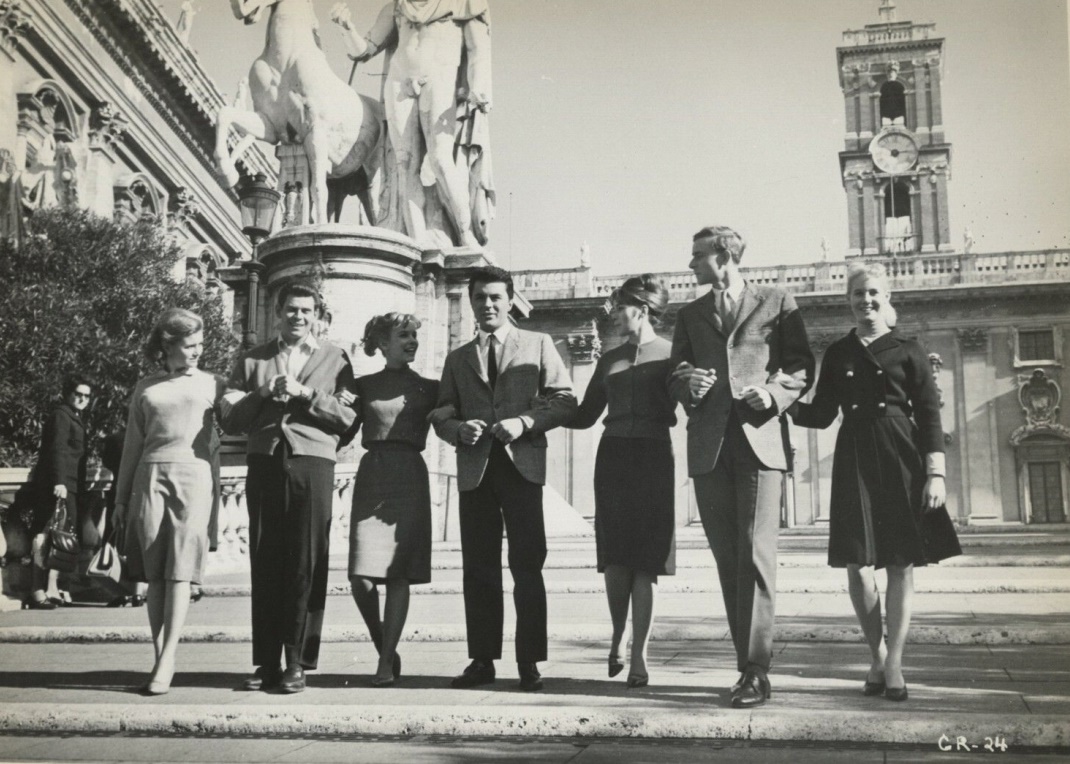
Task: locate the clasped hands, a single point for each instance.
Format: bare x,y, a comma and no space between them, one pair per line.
283,386
701,381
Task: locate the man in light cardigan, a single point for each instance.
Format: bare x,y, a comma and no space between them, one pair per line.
282,394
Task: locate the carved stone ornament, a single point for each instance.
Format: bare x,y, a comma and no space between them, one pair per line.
584,348
14,21
106,126
1039,396
973,340
184,207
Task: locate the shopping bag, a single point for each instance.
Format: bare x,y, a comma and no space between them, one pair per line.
61,541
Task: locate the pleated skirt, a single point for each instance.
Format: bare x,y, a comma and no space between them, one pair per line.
875,513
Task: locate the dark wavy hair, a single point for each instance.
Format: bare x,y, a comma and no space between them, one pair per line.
299,288
377,331
647,290
174,324
724,239
491,274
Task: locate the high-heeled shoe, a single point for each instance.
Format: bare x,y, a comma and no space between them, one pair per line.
871,688
154,688
638,680
397,667
615,665
898,694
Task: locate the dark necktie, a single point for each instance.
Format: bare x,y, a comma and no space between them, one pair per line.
492,361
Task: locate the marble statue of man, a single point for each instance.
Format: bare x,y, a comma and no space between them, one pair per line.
437,93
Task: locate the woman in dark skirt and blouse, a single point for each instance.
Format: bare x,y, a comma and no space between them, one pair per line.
887,504
390,528
634,469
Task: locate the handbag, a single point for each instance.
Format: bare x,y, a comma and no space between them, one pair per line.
61,541
107,563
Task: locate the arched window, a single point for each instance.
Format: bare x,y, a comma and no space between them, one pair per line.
893,103
898,226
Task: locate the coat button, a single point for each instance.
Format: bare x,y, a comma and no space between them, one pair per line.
881,405
850,373
879,372
854,406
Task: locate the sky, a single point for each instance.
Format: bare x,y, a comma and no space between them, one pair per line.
630,124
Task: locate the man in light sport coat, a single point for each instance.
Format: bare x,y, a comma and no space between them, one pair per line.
507,387
743,358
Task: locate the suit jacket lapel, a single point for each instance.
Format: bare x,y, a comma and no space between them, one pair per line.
509,350
471,355
317,358
748,303
707,309
279,359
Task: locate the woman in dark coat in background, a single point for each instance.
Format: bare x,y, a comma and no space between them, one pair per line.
888,493
59,474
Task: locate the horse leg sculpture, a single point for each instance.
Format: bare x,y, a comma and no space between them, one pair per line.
249,123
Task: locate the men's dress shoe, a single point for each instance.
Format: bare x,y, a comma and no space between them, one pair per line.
739,682
39,605
293,679
530,679
870,688
263,678
754,691
898,694
477,673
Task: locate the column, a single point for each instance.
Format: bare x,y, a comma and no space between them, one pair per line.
14,22
943,213
869,220
975,399
927,219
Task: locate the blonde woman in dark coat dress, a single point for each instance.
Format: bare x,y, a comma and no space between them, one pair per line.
390,526
888,492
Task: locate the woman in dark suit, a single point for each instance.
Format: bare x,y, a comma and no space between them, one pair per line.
390,528
633,474
888,493
59,474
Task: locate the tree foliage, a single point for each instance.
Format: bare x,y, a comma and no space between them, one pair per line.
81,295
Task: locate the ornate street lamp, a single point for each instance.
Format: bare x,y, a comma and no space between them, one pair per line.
259,202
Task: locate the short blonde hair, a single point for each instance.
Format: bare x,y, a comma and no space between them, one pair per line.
377,331
873,270
173,325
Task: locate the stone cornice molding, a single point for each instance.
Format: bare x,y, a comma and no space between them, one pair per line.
584,347
147,33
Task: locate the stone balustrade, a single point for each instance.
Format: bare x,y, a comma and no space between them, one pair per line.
876,34
913,272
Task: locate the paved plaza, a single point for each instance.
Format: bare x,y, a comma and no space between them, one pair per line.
988,664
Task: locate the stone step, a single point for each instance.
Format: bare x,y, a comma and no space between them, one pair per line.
938,618
1010,696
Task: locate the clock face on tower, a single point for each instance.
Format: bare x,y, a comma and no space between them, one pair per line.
894,150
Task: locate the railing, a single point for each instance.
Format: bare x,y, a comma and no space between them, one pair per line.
886,33
906,272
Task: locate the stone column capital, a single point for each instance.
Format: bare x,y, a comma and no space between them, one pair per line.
584,347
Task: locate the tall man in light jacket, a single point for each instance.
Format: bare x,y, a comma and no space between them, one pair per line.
743,359
507,388
282,394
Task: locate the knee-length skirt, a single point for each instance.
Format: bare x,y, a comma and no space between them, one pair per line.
875,513
166,536
634,505
390,527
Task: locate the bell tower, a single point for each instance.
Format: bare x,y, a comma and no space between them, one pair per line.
896,160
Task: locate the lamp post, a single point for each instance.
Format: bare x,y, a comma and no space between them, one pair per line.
258,204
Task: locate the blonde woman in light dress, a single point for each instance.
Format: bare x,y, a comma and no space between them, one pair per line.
166,484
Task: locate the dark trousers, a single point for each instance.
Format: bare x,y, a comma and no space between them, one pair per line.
289,499
503,495
739,503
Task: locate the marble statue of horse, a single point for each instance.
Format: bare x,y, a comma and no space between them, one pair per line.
298,99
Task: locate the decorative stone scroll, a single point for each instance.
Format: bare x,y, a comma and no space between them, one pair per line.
107,126
14,21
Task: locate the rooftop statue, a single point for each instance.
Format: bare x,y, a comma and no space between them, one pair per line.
437,93
298,99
